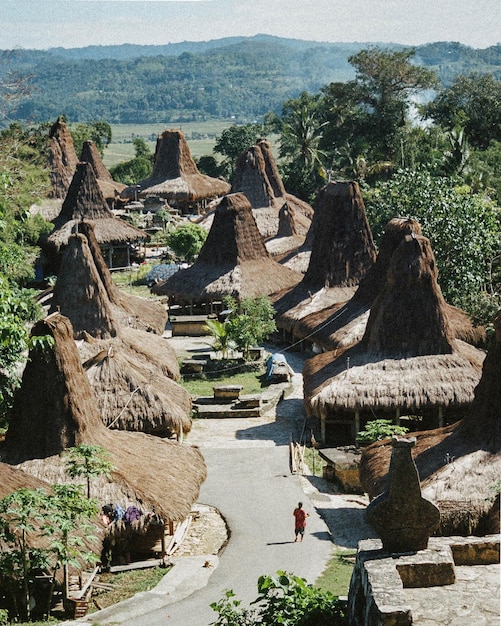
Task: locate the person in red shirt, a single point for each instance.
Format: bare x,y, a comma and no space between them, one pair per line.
300,516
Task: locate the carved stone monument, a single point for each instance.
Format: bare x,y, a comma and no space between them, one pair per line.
402,518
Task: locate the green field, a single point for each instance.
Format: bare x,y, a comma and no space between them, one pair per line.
201,137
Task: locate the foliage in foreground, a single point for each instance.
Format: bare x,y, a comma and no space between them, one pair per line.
284,599
379,429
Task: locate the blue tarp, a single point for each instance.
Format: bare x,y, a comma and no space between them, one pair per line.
272,362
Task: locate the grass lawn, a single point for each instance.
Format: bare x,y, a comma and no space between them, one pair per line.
336,576
126,584
252,383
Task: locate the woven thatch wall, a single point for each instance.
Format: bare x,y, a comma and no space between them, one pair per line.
62,158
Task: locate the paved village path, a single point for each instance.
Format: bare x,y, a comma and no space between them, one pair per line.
250,483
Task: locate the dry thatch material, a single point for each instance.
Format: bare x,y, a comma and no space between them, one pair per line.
175,175
62,158
109,188
233,261
128,374
288,237
85,201
130,311
55,409
133,396
257,177
408,357
342,252
79,293
458,465
341,325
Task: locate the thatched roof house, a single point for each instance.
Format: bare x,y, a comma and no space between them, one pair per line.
55,409
85,201
341,325
110,189
119,359
342,253
458,465
288,238
176,177
129,310
233,261
257,177
407,363
62,158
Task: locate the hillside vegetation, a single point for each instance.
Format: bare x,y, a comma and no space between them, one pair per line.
238,79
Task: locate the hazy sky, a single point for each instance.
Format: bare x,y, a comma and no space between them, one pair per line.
74,23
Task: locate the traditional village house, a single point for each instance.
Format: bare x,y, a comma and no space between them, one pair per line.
62,159
342,324
127,375
110,189
232,262
85,201
55,409
460,464
257,177
342,253
130,311
176,178
407,363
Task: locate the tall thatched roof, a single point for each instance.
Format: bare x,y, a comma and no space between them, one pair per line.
62,158
458,465
175,175
288,237
130,311
132,362
85,293
341,325
408,357
109,187
55,408
233,261
257,177
85,201
342,253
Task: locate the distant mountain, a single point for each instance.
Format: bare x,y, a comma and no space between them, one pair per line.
238,78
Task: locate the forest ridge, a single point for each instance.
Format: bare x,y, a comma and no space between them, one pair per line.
237,78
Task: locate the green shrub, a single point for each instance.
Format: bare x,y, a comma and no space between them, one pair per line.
376,430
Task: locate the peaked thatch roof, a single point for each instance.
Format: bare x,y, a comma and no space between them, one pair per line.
288,237
130,311
408,357
79,292
85,293
62,158
175,175
257,177
55,409
341,325
458,465
233,261
109,188
342,253
85,201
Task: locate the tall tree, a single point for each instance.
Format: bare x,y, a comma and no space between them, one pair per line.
472,103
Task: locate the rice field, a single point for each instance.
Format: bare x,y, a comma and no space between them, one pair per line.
201,137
